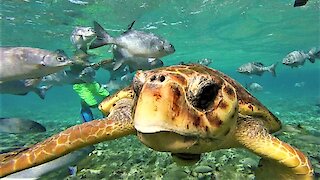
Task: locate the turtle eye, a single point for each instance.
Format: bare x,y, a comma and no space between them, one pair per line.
202,94
206,96
138,81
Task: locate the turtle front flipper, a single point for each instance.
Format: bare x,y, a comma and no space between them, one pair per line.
118,124
279,160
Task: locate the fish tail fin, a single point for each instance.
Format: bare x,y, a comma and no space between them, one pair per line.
41,92
272,69
312,59
313,54
117,65
103,38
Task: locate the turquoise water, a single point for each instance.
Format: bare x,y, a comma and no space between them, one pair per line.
231,33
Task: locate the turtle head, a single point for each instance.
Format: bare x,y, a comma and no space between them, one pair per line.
183,109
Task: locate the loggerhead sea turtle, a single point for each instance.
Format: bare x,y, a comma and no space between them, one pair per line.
186,110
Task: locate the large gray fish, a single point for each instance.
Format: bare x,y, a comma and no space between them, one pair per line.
122,57
62,162
81,37
256,68
18,63
23,87
298,58
137,43
18,125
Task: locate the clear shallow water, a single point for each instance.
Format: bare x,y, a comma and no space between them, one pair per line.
229,32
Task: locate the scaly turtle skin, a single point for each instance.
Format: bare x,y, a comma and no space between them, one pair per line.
186,110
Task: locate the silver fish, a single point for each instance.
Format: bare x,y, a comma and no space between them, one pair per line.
67,77
298,58
18,63
205,61
299,84
23,87
256,68
295,59
114,85
254,87
61,162
122,57
87,75
82,37
78,2
18,125
137,43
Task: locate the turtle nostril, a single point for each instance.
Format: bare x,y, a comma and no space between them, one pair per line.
162,78
153,78
138,81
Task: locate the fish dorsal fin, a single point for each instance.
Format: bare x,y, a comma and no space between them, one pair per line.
258,63
61,52
117,65
129,27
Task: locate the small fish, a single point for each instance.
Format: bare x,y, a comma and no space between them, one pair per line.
114,85
205,61
249,162
60,78
23,87
296,59
68,77
62,162
299,84
309,139
18,125
87,75
254,87
82,37
256,68
298,3
78,2
18,63
137,43
289,128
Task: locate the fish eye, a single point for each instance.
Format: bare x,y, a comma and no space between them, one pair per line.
91,30
61,58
